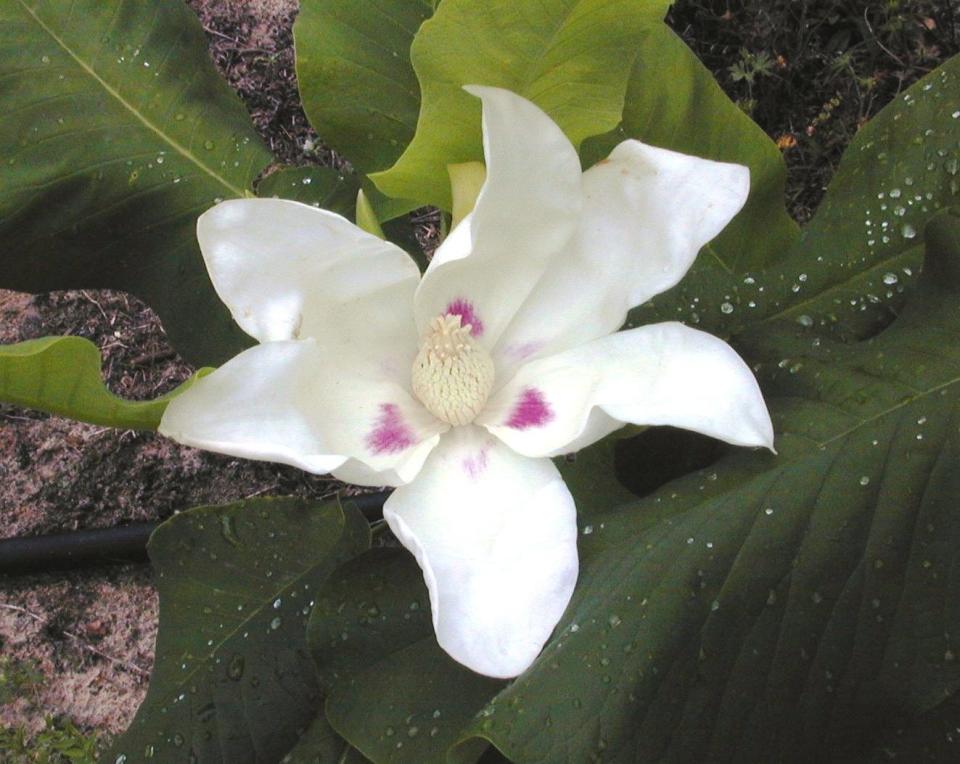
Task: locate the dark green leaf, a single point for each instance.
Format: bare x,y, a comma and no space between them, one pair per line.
779,608
848,270
766,608
61,375
393,693
233,681
117,132
322,187
319,744
570,57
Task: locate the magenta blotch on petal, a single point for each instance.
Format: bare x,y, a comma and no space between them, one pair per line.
464,309
475,464
391,434
532,410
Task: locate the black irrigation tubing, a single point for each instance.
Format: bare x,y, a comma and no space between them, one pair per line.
123,544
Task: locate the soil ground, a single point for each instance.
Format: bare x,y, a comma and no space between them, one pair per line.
86,637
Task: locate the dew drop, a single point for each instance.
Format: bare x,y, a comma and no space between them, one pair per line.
275,623
908,231
864,480
235,668
890,278
209,145
228,530
726,308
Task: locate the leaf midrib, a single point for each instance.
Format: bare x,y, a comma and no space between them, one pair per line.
115,94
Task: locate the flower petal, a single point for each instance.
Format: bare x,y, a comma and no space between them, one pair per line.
495,534
286,270
304,404
647,213
527,210
666,374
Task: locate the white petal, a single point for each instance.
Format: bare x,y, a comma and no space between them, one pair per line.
495,534
286,270
647,212
304,404
356,472
526,212
663,374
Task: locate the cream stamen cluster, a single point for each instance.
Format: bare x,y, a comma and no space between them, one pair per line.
452,373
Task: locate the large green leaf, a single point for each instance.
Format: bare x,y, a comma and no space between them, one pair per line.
372,637
61,375
356,81
848,270
233,681
322,187
674,102
778,608
117,132
570,57
790,607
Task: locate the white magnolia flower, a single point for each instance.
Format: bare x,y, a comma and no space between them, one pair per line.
459,386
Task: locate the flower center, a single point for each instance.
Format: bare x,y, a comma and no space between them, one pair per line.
452,374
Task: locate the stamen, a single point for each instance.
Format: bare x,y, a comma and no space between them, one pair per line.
452,374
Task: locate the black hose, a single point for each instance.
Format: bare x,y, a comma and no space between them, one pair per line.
123,544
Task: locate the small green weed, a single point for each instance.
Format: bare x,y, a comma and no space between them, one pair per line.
17,678
59,742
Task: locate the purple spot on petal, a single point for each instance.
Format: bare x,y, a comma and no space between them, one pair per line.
475,464
390,434
522,351
464,309
531,410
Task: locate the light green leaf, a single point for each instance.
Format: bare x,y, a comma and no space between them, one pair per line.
233,681
61,375
355,77
848,271
117,133
366,217
674,102
570,57
393,693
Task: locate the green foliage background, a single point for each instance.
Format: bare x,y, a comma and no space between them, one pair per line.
790,607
